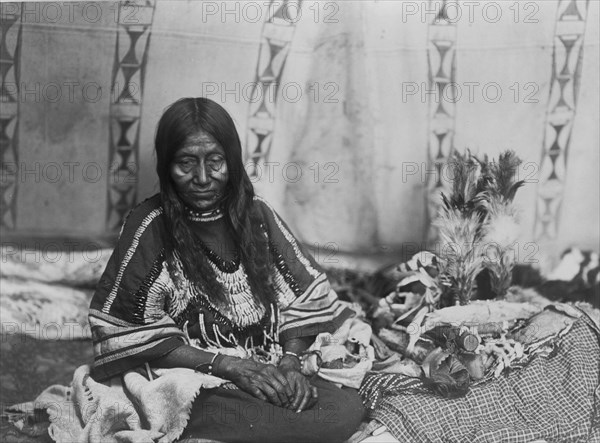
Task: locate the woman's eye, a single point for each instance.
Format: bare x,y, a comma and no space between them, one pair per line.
215,163
185,164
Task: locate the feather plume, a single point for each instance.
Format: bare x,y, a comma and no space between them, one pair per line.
500,233
467,186
501,182
461,252
479,212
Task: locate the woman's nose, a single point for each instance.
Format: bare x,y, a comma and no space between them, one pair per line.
202,174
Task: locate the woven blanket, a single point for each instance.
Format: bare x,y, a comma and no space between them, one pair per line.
556,398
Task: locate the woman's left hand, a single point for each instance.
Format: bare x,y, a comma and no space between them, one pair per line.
305,395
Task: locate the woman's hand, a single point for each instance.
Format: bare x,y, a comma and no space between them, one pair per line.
305,395
260,380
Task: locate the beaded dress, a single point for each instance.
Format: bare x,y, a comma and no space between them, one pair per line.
141,310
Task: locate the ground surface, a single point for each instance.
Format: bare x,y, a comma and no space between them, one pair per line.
28,366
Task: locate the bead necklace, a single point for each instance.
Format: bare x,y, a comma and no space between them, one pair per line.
228,266
208,216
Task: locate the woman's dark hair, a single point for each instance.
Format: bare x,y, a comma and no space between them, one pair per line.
183,119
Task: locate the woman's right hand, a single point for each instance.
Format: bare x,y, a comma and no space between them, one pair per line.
260,380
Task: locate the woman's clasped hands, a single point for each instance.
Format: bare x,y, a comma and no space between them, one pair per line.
284,385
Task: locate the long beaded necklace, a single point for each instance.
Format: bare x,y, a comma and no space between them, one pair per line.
228,266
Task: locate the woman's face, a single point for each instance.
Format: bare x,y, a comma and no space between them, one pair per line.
199,171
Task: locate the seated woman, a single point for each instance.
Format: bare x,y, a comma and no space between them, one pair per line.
205,275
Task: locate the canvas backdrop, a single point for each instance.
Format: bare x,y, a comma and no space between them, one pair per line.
350,104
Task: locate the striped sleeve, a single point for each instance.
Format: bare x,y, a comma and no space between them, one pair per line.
129,323
316,310
307,303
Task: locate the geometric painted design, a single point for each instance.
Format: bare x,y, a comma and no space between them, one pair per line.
441,64
276,39
127,86
567,57
10,49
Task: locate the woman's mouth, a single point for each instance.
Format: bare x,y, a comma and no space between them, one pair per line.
208,194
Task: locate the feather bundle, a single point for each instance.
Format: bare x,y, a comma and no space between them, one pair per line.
467,184
461,252
500,229
478,224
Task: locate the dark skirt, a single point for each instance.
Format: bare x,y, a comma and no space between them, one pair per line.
231,415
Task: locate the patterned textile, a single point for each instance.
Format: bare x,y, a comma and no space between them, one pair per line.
556,398
141,310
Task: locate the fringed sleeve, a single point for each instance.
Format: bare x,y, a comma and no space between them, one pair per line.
307,304
127,313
